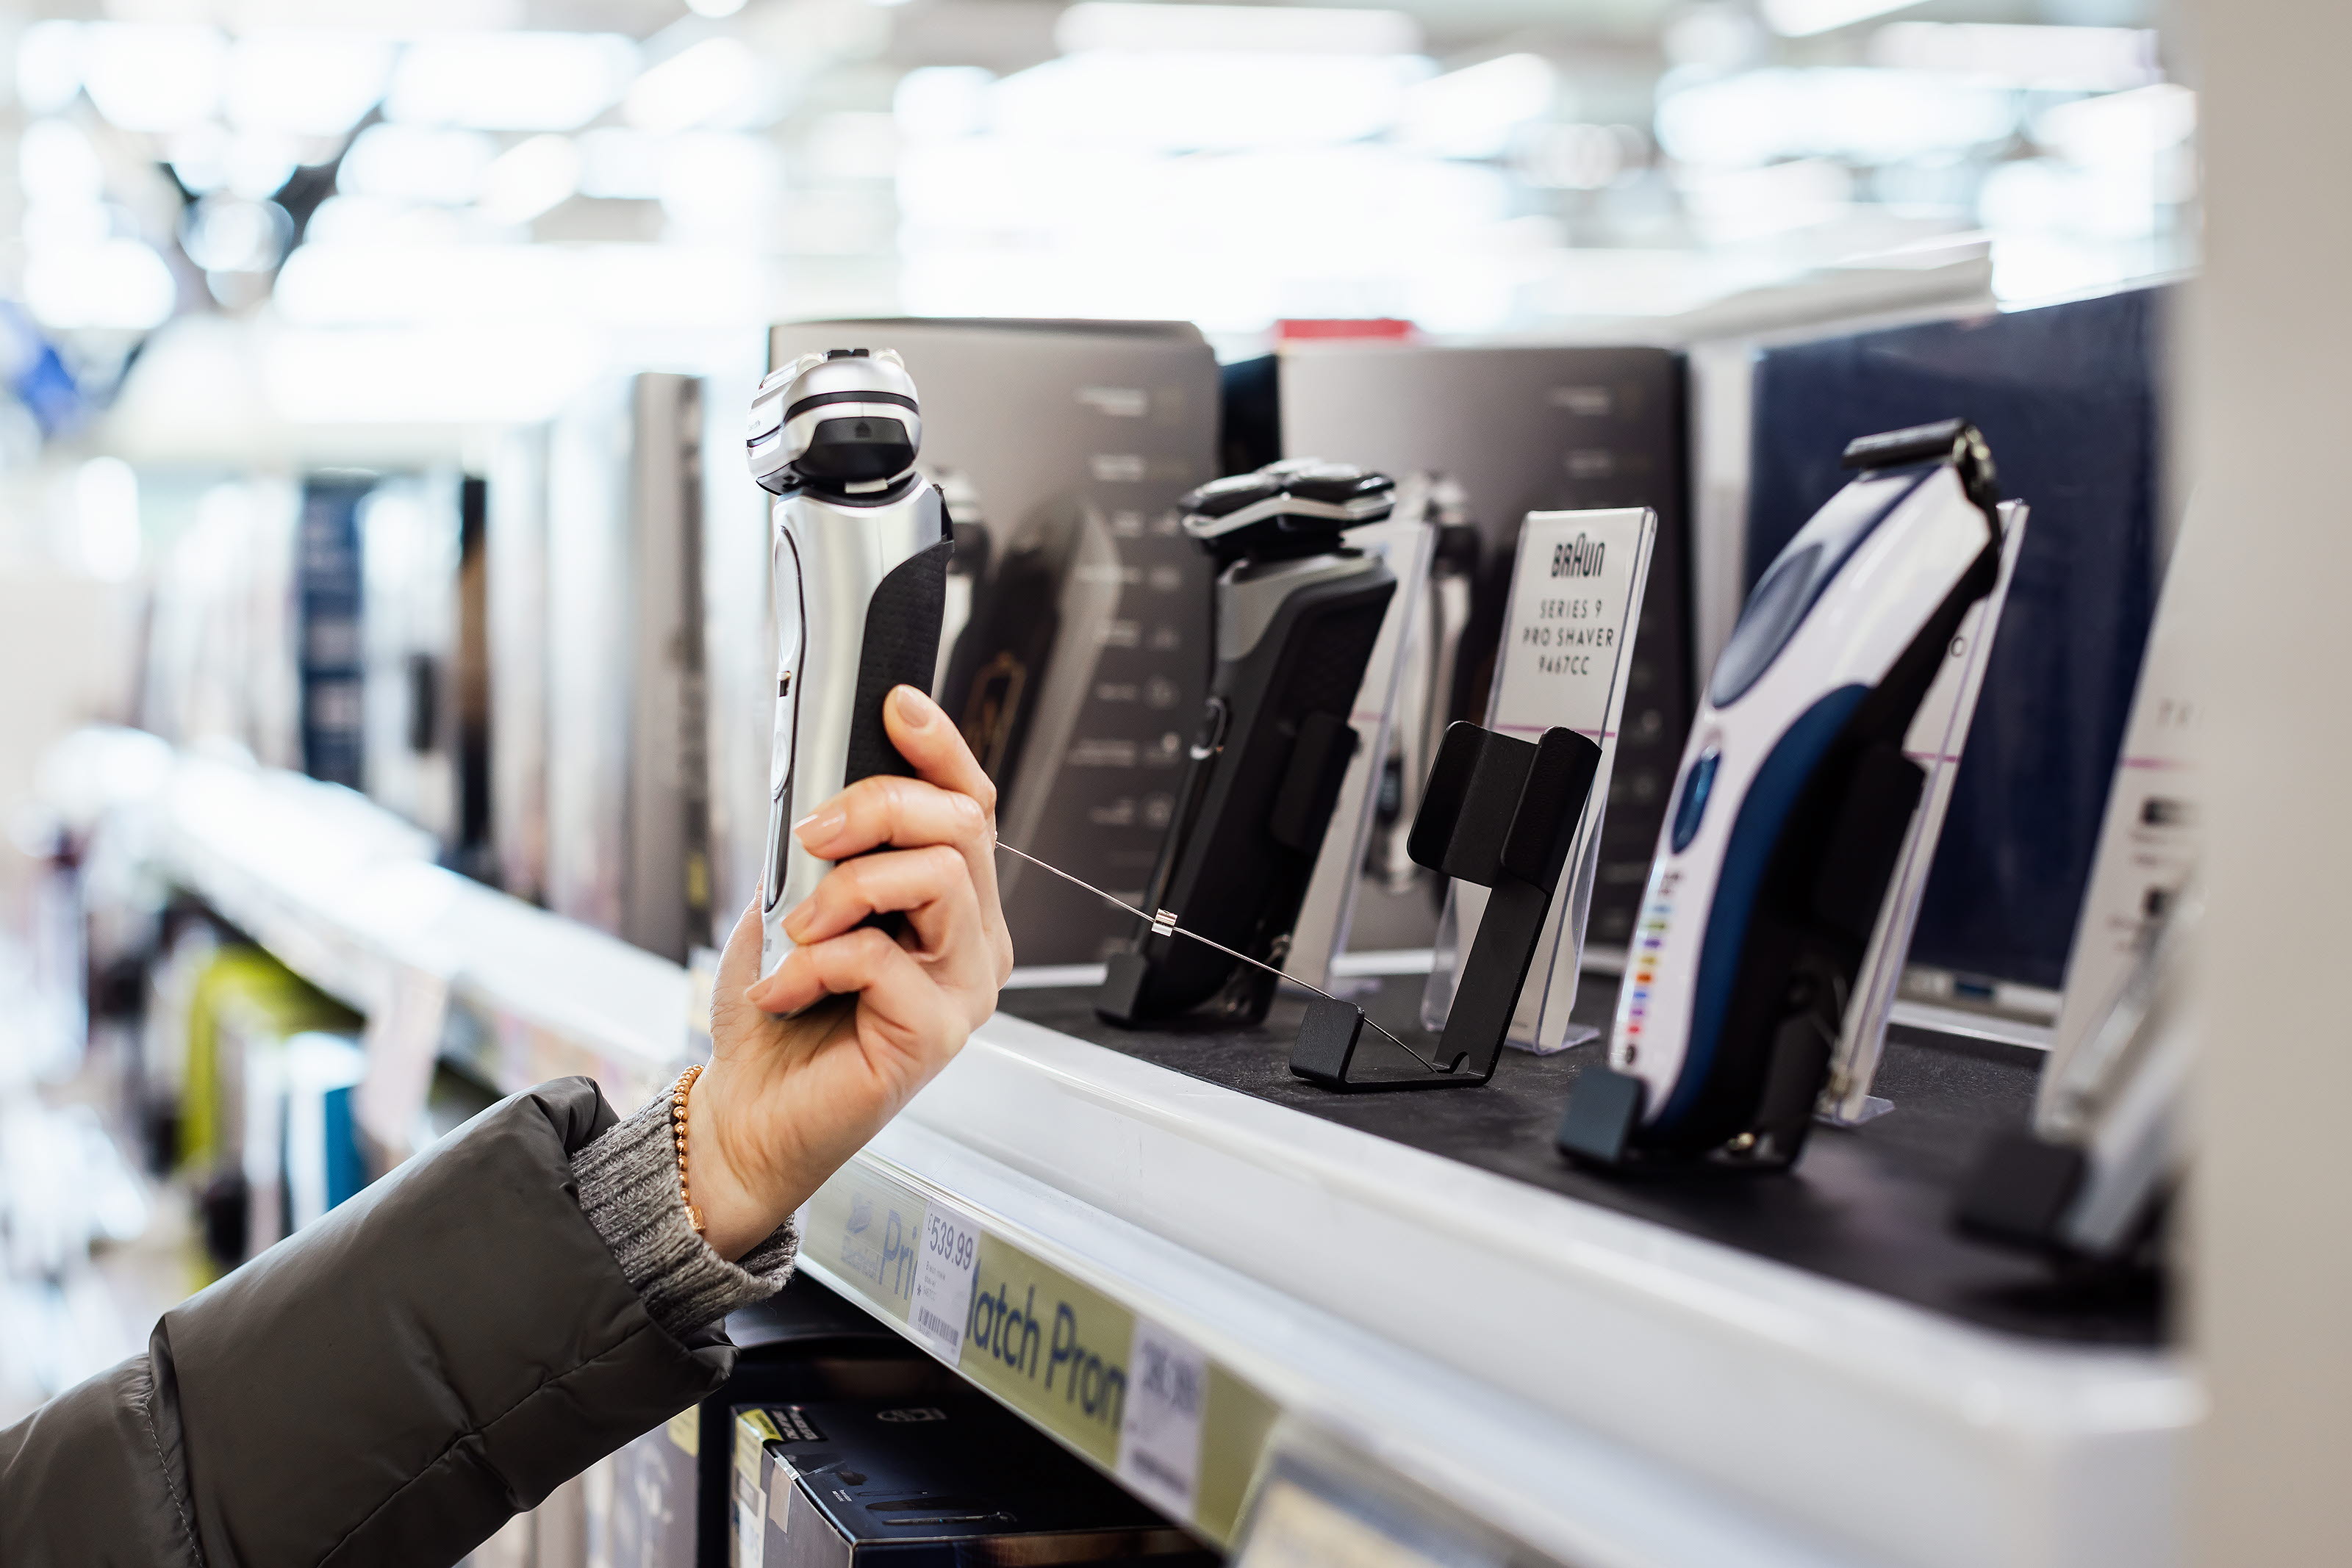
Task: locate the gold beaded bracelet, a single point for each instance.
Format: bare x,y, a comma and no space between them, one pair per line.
677,1131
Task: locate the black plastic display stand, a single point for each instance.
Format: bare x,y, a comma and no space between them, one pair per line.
1500,812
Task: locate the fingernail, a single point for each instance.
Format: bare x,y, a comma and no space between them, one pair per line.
819,826
915,709
793,918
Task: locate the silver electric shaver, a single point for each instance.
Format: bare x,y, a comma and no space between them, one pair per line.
861,542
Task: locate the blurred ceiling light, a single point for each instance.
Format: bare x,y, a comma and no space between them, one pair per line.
2066,59
714,7
55,163
379,220
154,77
199,157
387,18
1181,101
257,163
510,81
49,60
1472,112
488,374
116,284
1286,29
490,285
410,163
853,144
718,181
707,84
309,82
2120,127
934,102
1729,206
227,234
529,178
66,225
1801,18
1576,157
1866,116
106,518
1715,37
619,163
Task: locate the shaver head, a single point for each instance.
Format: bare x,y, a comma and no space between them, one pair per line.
840,421
1297,506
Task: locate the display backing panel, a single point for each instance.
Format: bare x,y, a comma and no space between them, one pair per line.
1525,428
2067,397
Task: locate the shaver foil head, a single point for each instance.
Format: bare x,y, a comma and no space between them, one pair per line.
843,421
1298,501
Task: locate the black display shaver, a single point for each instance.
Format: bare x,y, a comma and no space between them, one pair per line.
1297,612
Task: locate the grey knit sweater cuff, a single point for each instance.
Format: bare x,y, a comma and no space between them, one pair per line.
628,1187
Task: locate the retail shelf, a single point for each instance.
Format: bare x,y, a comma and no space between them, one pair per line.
1603,1389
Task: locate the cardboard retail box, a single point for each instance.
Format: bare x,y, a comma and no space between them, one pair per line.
424,747
1516,429
952,1481
1080,667
626,780
664,1500
515,546
329,667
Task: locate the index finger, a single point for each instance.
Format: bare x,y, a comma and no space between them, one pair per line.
925,737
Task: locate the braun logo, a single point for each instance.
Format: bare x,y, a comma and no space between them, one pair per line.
913,1413
1578,557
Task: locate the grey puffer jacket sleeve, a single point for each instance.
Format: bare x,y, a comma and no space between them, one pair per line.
387,1387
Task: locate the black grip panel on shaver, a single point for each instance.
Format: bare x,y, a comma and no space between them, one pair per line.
1236,865
901,649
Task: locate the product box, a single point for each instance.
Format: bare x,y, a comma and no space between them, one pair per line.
1521,429
947,1482
1080,667
330,659
516,635
625,775
420,548
2067,397
665,1500
739,640
221,657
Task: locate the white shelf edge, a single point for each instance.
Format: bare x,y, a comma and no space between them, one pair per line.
1317,1255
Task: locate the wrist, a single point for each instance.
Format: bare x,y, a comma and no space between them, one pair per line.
742,1194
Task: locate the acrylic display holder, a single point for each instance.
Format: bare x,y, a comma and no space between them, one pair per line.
1501,813
1936,739
1564,660
1406,541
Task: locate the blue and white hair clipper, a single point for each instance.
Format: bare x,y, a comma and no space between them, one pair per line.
1788,813
861,547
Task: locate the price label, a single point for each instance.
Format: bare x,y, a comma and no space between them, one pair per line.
945,1261
1167,1398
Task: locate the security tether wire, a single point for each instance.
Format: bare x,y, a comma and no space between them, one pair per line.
1165,923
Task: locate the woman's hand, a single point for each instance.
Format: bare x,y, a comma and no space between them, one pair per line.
808,1064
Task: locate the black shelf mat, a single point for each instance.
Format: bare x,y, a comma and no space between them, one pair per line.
1867,1205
